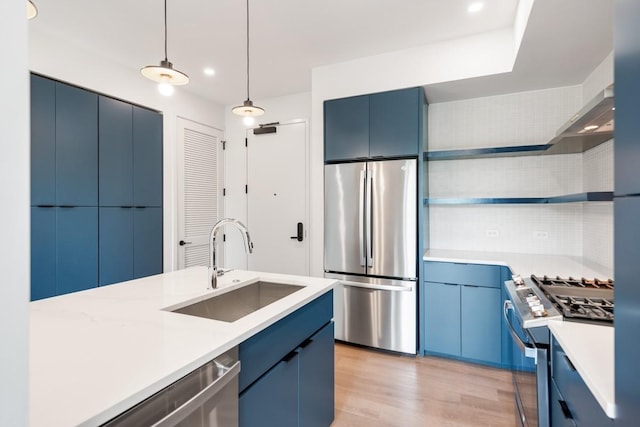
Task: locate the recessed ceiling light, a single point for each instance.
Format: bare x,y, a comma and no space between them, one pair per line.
475,7
591,127
209,71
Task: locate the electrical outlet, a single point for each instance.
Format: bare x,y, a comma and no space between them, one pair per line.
540,235
492,233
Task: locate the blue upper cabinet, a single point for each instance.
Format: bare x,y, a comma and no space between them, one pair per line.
147,157
43,141
116,152
346,128
387,124
76,249
76,130
147,242
394,123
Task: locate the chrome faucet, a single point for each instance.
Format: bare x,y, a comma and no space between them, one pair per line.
213,268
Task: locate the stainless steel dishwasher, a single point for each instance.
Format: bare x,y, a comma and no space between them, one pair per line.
207,397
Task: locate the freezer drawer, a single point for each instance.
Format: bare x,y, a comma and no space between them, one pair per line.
376,313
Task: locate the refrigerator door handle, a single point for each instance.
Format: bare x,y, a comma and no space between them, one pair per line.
377,287
369,221
361,220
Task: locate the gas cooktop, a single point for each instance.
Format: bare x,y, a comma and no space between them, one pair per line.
582,300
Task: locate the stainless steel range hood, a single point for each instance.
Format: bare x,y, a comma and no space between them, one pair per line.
590,126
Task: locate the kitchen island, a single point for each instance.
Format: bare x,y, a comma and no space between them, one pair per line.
94,354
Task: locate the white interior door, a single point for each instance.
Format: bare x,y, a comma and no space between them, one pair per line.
277,199
199,190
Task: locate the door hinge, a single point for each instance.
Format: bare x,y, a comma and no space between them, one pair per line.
246,142
224,192
224,237
246,189
224,145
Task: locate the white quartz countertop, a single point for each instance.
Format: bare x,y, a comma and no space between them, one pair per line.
594,363
525,264
96,353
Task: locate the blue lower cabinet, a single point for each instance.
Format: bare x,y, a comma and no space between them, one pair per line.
442,318
272,401
481,323
76,249
147,242
316,381
579,405
287,375
43,253
116,245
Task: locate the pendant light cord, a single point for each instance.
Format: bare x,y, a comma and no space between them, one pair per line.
165,30
247,49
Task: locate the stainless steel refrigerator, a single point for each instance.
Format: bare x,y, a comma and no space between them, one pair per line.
370,238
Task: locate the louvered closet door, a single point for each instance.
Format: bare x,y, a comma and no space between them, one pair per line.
199,190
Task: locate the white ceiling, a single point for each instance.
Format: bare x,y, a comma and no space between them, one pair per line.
564,40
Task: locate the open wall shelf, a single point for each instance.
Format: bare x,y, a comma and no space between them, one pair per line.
594,196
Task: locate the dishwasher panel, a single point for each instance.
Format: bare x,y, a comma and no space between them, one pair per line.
207,397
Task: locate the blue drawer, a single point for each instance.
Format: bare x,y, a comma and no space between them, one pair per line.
263,350
584,407
463,274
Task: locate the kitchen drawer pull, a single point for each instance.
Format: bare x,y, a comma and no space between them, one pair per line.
567,412
569,363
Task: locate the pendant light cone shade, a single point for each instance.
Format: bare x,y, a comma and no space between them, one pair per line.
165,73
247,109
32,11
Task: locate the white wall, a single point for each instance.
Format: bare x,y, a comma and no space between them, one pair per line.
280,109
59,60
14,216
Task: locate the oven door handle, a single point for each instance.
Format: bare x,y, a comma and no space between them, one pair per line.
527,348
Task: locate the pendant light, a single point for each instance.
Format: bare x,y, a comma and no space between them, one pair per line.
247,109
164,73
32,11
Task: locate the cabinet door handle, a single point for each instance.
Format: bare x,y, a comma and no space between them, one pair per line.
289,356
306,343
182,243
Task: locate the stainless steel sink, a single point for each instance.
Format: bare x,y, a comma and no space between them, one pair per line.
233,305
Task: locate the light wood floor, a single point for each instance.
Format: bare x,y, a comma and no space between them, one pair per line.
375,389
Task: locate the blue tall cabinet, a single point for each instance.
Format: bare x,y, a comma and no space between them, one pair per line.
87,228
627,212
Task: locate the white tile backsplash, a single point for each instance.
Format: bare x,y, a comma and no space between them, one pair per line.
539,229
598,168
530,176
598,233
577,229
524,118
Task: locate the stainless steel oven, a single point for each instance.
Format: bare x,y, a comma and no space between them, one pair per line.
526,314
